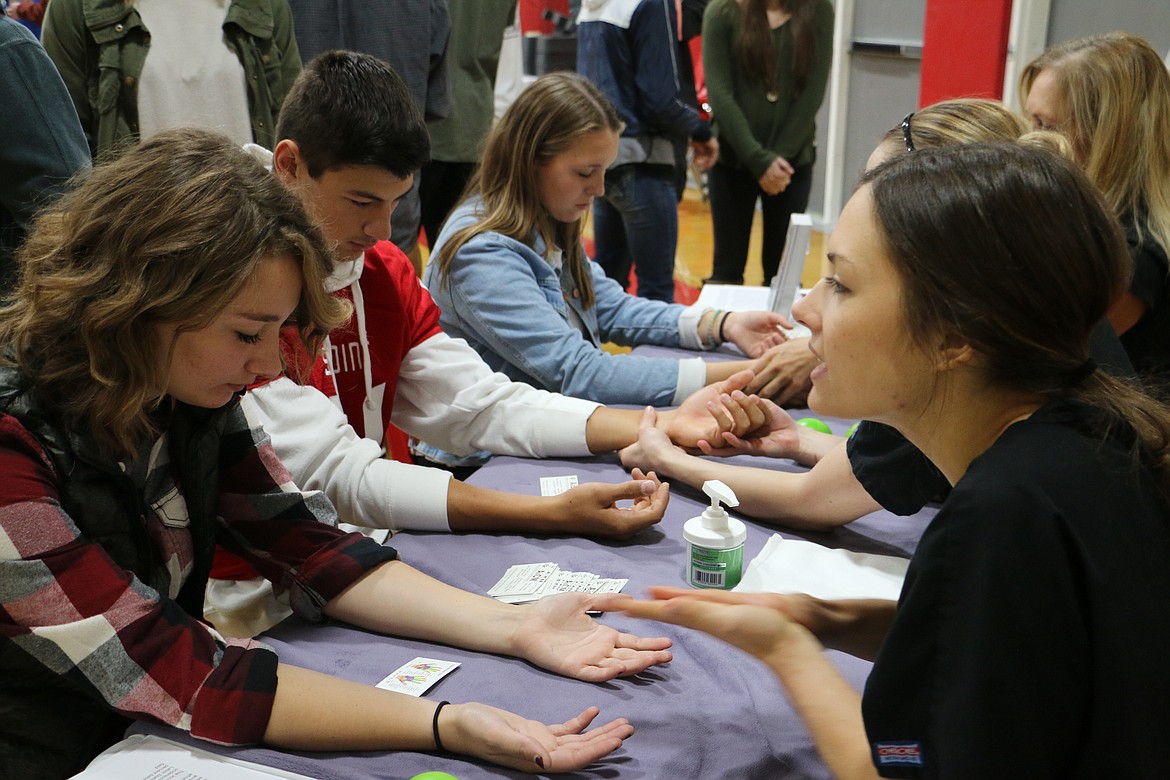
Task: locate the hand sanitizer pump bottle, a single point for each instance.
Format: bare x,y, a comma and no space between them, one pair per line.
715,542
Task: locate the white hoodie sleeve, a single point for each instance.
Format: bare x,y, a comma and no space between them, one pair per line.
323,452
448,397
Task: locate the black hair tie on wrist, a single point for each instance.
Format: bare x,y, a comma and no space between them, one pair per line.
1082,372
435,725
723,322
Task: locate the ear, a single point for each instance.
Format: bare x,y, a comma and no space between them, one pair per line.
287,162
953,354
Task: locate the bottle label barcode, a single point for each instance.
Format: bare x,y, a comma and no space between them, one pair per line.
713,579
714,568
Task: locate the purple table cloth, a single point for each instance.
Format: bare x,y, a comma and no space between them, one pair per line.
714,712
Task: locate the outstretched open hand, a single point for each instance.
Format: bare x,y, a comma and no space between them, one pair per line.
510,740
783,372
556,634
757,623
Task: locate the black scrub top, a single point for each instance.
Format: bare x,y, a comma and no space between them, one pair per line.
1032,631
1148,341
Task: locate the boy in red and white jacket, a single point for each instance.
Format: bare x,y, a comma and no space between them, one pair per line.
349,142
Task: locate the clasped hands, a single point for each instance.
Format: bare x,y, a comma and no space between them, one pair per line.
712,413
777,177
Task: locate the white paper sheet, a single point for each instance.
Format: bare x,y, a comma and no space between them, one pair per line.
797,566
143,757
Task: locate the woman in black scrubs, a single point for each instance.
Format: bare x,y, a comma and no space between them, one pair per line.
1030,635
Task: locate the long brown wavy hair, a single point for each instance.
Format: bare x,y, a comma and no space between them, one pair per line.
166,234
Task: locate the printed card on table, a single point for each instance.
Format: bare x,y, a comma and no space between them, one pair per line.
527,582
414,677
554,486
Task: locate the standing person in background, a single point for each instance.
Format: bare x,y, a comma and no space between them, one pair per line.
477,33
1110,96
629,49
43,145
766,63
411,36
137,68
690,26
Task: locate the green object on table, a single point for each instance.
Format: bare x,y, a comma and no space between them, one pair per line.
434,776
815,424
852,429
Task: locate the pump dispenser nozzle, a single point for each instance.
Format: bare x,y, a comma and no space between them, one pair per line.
715,516
718,491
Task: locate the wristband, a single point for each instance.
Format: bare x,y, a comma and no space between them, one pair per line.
722,322
711,342
435,725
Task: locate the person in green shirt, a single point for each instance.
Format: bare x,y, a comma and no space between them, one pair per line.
766,63
477,35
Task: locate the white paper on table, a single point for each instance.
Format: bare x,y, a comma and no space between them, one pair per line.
554,486
147,757
524,579
797,566
527,582
733,297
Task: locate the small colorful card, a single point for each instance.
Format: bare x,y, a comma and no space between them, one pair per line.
414,677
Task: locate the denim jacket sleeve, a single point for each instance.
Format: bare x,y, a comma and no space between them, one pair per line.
505,300
628,320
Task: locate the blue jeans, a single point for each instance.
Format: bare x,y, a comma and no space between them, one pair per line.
636,223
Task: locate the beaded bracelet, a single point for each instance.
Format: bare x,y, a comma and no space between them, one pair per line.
711,342
435,725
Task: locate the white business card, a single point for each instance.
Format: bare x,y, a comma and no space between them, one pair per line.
554,486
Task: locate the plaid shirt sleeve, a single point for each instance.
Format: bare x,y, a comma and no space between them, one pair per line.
287,535
66,603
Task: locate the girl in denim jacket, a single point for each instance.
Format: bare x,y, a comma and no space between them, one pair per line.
511,275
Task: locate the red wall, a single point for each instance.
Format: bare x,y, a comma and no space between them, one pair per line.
963,50
531,21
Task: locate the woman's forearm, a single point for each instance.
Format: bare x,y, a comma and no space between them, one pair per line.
719,371
395,598
854,626
827,703
795,500
314,711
